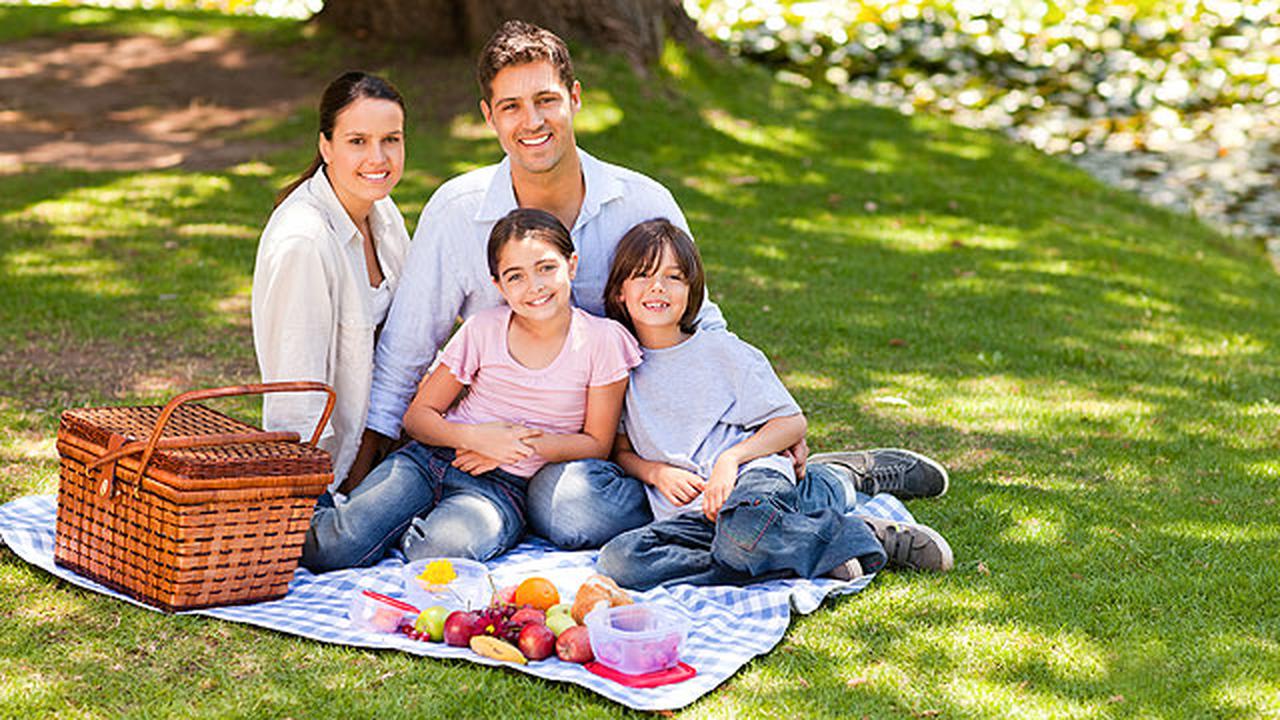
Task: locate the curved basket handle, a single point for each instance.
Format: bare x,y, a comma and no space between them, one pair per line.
256,389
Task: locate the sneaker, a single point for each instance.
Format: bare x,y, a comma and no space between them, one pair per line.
901,473
850,569
911,546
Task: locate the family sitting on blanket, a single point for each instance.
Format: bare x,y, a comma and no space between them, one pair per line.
545,374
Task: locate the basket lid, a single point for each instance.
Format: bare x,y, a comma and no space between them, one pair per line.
97,425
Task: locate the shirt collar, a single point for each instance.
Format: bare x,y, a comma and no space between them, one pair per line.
337,216
602,186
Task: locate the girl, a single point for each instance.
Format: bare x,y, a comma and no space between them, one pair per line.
545,384
328,263
705,420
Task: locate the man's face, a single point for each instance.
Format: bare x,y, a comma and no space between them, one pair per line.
532,113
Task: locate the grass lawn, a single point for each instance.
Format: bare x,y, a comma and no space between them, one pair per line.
1102,377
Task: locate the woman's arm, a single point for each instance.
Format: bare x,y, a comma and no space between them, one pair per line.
774,436
677,485
425,422
604,407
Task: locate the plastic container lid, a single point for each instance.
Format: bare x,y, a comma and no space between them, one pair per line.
374,612
468,588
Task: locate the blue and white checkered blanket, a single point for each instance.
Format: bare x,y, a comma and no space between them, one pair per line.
730,625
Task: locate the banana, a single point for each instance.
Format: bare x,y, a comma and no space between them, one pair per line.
492,647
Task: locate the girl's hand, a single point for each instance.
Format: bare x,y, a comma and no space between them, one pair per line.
677,485
723,477
474,463
504,442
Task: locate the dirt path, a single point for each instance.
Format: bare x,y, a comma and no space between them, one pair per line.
102,102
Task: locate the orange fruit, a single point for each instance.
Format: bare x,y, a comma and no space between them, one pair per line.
537,592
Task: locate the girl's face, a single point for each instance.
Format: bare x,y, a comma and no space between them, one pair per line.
535,278
366,155
656,299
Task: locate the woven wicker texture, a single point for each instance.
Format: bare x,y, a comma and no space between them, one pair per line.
203,527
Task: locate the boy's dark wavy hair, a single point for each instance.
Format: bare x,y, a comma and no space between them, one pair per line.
639,252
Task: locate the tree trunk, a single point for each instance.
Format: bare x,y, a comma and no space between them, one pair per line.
635,28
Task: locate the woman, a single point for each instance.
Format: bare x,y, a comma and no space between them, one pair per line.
328,263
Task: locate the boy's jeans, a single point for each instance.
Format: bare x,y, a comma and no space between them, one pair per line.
417,501
768,528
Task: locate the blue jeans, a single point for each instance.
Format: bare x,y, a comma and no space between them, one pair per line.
417,501
768,528
585,503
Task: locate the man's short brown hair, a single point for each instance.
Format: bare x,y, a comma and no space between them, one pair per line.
517,43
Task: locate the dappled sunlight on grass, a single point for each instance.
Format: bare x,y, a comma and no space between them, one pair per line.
219,230
599,113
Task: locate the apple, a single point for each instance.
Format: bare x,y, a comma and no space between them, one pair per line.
526,615
560,622
431,621
564,608
536,641
574,645
460,626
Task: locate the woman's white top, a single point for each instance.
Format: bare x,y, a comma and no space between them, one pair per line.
315,314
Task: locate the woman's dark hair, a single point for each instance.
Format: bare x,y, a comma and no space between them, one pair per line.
523,223
639,252
346,89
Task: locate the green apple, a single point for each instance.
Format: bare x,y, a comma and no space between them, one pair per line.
562,608
559,622
431,622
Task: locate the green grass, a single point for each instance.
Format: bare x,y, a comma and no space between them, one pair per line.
1101,376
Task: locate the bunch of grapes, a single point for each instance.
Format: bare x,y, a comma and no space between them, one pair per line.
495,620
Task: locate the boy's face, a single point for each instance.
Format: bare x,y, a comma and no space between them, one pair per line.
532,113
656,300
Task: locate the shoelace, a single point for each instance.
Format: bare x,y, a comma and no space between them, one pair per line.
889,477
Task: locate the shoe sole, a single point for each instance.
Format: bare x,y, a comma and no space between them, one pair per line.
841,457
944,548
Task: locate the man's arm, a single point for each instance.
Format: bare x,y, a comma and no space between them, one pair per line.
433,288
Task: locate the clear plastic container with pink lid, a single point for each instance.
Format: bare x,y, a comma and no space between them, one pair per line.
637,639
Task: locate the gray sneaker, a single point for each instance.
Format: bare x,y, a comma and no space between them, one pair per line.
901,473
910,546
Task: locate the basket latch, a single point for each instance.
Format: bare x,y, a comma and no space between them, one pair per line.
106,472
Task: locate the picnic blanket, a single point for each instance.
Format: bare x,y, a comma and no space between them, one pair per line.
730,625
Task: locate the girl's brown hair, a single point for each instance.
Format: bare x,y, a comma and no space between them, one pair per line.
344,90
639,252
524,223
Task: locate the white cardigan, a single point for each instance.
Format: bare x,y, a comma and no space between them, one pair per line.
313,311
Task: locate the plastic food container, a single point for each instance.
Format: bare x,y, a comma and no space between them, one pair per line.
468,589
374,612
636,639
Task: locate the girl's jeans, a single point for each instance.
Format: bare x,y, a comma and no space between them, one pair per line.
768,528
417,501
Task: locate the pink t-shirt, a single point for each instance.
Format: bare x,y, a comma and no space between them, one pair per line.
597,351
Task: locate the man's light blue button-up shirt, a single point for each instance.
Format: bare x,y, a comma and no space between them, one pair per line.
447,273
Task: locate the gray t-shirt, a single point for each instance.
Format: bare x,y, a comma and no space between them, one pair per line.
688,403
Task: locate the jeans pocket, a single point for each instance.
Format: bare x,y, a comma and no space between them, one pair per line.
746,522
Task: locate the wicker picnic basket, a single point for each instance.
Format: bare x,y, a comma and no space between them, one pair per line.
183,507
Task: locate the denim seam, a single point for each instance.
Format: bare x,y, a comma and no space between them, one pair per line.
756,540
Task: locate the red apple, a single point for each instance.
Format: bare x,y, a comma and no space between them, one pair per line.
460,626
537,642
574,645
526,615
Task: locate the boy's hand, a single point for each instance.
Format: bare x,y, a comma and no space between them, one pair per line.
474,463
723,477
798,454
677,485
501,441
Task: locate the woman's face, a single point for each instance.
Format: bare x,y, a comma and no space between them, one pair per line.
366,155
535,279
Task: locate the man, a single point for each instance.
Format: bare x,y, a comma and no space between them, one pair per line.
529,98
